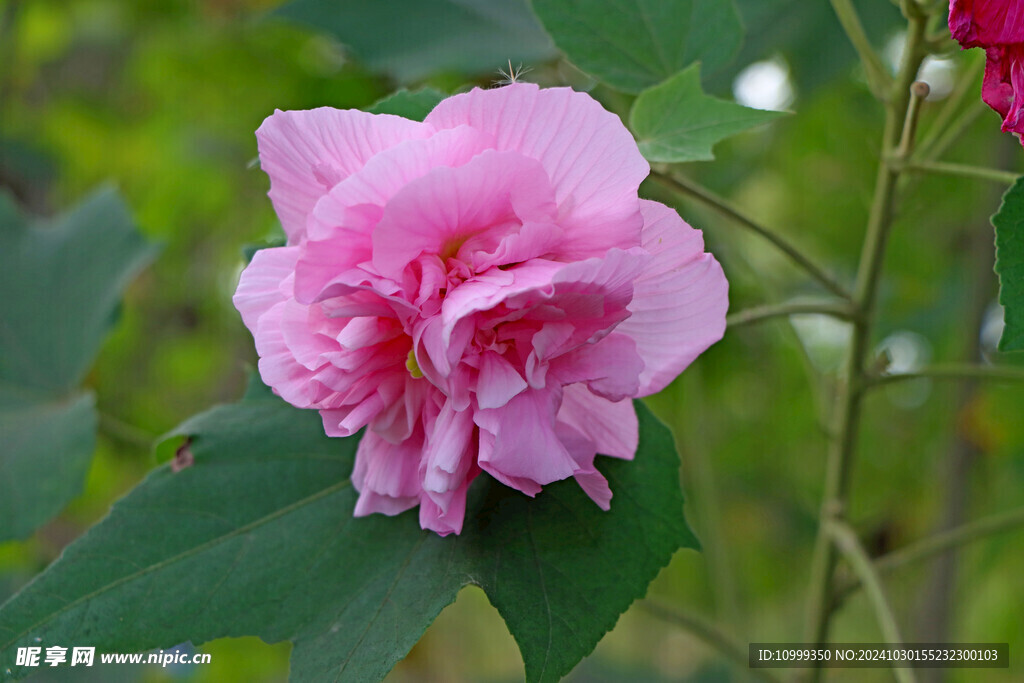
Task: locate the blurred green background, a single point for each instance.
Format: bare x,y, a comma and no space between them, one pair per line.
162,97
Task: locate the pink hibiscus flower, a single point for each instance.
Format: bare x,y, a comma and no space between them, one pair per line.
483,291
997,26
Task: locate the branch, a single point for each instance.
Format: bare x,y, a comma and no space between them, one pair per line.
846,540
878,78
759,313
996,373
963,170
710,633
965,88
126,433
939,543
897,138
687,187
954,132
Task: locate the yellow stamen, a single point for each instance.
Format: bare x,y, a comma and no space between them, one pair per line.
412,366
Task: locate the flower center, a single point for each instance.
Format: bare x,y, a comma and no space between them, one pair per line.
412,366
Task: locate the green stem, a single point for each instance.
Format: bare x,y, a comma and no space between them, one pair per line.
759,313
684,186
710,633
897,144
937,544
126,433
846,540
954,132
995,373
964,89
963,170
878,78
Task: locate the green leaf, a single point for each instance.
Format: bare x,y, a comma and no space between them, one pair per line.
411,39
257,538
61,284
675,121
634,44
1009,224
411,104
46,454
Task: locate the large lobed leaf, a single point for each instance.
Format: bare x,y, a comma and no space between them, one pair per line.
1009,224
411,39
633,44
675,121
61,285
257,538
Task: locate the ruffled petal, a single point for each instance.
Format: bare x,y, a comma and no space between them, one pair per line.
983,23
611,367
591,159
261,285
449,451
611,426
447,515
525,446
306,153
583,452
386,475
498,381
454,212
1003,86
679,302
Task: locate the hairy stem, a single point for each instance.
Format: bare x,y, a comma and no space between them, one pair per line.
126,433
954,132
897,145
964,89
768,311
963,170
953,371
846,540
938,544
686,187
710,633
878,77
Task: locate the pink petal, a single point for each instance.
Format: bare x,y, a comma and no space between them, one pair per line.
388,172
446,517
593,293
385,475
498,381
306,153
679,302
525,444
397,422
303,329
1003,86
449,451
583,451
610,367
983,23
490,196
534,240
591,159
278,367
612,426
487,290
349,419
261,284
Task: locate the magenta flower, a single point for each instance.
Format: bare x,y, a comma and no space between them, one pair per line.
483,291
997,26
